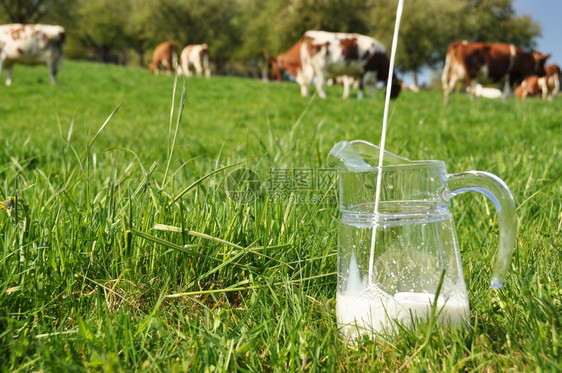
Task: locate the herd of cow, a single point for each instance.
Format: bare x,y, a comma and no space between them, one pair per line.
523,71
319,57
196,56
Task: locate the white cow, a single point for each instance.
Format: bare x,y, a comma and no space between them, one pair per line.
196,55
550,83
31,45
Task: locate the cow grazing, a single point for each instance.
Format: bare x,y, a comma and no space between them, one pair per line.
289,61
320,55
495,61
529,87
546,87
196,55
164,57
550,83
31,45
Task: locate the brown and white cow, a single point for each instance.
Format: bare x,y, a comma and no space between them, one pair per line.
164,57
31,45
289,61
196,55
529,87
550,83
320,55
546,87
495,61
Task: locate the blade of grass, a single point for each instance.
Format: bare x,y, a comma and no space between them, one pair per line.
172,145
91,142
148,320
201,179
236,286
168,244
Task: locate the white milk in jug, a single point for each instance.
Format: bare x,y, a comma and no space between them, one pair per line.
374,311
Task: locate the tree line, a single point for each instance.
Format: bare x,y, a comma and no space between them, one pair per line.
247,32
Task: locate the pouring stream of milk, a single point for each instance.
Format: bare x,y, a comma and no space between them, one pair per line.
383,138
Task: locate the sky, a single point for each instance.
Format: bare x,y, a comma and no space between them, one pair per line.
548,14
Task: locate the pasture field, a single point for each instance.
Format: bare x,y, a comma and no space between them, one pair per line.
123,250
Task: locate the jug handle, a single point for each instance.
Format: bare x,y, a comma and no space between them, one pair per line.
498,192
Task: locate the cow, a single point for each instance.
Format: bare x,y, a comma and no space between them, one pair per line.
546,87
529,87
495,61
410,87
289,61
164,57
550,83
486,92
31,45
320,55
196,55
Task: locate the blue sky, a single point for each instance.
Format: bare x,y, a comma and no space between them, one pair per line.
548,14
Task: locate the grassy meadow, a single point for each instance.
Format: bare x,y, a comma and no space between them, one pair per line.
124,247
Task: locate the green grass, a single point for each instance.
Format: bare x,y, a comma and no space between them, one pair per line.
127,254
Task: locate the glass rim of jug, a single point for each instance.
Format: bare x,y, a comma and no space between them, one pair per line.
397,162
430,163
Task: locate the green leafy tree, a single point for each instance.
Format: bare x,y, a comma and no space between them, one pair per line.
327,15
426,33
24,11
270,27
202,21
102,26
261,30
428,27
35,11
142,27
495,20
331,15
251,31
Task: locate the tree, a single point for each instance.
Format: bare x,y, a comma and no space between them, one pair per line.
142,27
428,27
495,20
201,21
34,11
270,27
331,15
25,11
101,25
251,31
259,24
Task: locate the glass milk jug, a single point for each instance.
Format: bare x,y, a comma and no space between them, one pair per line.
397,261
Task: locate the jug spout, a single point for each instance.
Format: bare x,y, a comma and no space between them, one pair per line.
360,156
344,157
